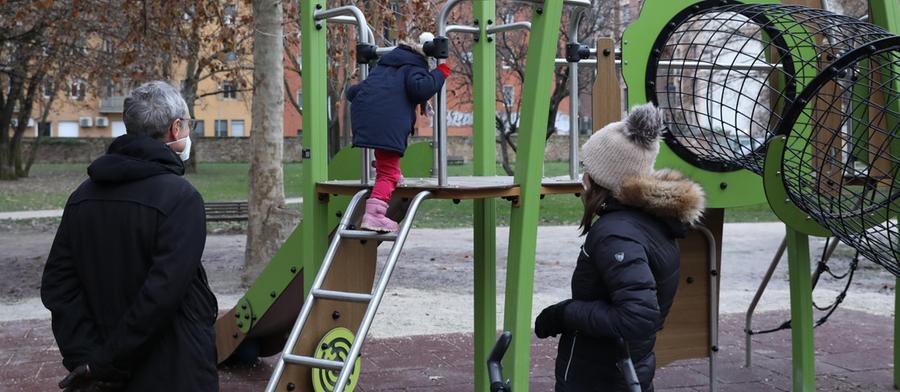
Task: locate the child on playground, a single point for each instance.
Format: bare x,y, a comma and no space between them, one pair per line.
626,275
383,113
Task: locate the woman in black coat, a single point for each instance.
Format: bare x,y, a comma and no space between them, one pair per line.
627,271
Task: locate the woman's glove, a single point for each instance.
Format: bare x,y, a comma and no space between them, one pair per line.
551,321
444,69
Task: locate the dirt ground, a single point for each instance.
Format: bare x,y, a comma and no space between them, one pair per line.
432,291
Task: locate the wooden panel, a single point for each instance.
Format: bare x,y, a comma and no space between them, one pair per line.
353,270
228,336
607,92
686,333
879,147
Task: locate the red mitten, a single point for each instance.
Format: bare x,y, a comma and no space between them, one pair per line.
444,69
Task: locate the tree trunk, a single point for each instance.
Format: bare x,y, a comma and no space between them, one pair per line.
270,219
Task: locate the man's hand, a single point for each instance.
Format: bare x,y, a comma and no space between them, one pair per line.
551,321
83,380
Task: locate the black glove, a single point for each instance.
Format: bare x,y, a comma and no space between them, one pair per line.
83,379
551,321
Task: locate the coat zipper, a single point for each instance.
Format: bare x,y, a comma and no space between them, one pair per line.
571,354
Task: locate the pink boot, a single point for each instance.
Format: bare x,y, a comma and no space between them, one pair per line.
374,218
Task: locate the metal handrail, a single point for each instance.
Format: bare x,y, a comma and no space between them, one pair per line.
509,27
346,14
439,124
574,24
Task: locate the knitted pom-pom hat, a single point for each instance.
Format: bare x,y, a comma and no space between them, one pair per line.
624,149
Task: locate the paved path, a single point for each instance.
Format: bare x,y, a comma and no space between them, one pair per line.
853,354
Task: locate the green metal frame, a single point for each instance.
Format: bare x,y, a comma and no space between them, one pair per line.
485,210
886,13
523,224
723,190
314,236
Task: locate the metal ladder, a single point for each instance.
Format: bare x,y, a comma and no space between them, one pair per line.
373,299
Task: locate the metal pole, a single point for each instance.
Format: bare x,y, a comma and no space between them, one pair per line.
756,297
802,338
573,99
439,128
509,27
713,304
347,15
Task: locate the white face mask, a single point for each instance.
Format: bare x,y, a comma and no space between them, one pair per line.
185,154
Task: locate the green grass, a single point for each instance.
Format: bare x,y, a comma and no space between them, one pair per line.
50,185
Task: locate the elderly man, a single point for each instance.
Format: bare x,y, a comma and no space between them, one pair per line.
131,306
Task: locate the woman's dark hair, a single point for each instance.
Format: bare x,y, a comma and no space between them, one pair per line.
594,199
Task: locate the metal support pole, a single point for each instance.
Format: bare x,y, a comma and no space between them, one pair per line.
352,15
315,124
439,127
748,326
484,77
575,21
802,338
542,45
713,305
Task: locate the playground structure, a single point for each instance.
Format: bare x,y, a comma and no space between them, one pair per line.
774,116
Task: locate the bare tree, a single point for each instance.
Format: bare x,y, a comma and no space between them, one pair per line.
270,219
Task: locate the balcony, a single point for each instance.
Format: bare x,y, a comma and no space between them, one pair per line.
113,104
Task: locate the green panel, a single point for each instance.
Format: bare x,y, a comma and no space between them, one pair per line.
314,239
485,210
802,345
741,187
529,166
886,13
781,205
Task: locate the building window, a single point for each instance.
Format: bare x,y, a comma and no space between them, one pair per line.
468,57
300,97
237,128
44,129
77,90
199,129
221,128
108,46
47,89
229,90
508,95
229,14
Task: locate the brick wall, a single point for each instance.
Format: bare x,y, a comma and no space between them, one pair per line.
83,150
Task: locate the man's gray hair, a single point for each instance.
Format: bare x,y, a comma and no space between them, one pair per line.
151,108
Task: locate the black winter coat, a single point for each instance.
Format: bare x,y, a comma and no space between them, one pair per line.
383,107
625,281
123,281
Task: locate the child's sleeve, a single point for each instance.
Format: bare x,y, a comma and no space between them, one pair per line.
422,85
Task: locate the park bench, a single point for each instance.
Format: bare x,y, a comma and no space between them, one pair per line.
223,211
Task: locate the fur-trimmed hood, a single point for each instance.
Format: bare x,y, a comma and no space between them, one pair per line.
666,194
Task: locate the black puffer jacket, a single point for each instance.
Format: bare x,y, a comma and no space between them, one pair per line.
123,281
383,109
625,281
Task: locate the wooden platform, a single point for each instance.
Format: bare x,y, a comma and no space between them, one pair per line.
458,188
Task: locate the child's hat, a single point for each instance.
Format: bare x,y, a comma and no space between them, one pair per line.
625,148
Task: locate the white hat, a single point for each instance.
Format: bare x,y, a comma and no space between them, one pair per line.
624,149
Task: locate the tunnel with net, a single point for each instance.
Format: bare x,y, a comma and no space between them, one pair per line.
842,150
724,75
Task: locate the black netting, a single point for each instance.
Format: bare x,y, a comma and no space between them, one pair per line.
842,152
725,75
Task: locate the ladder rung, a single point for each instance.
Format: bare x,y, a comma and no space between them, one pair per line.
341,295
312,362
368,235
